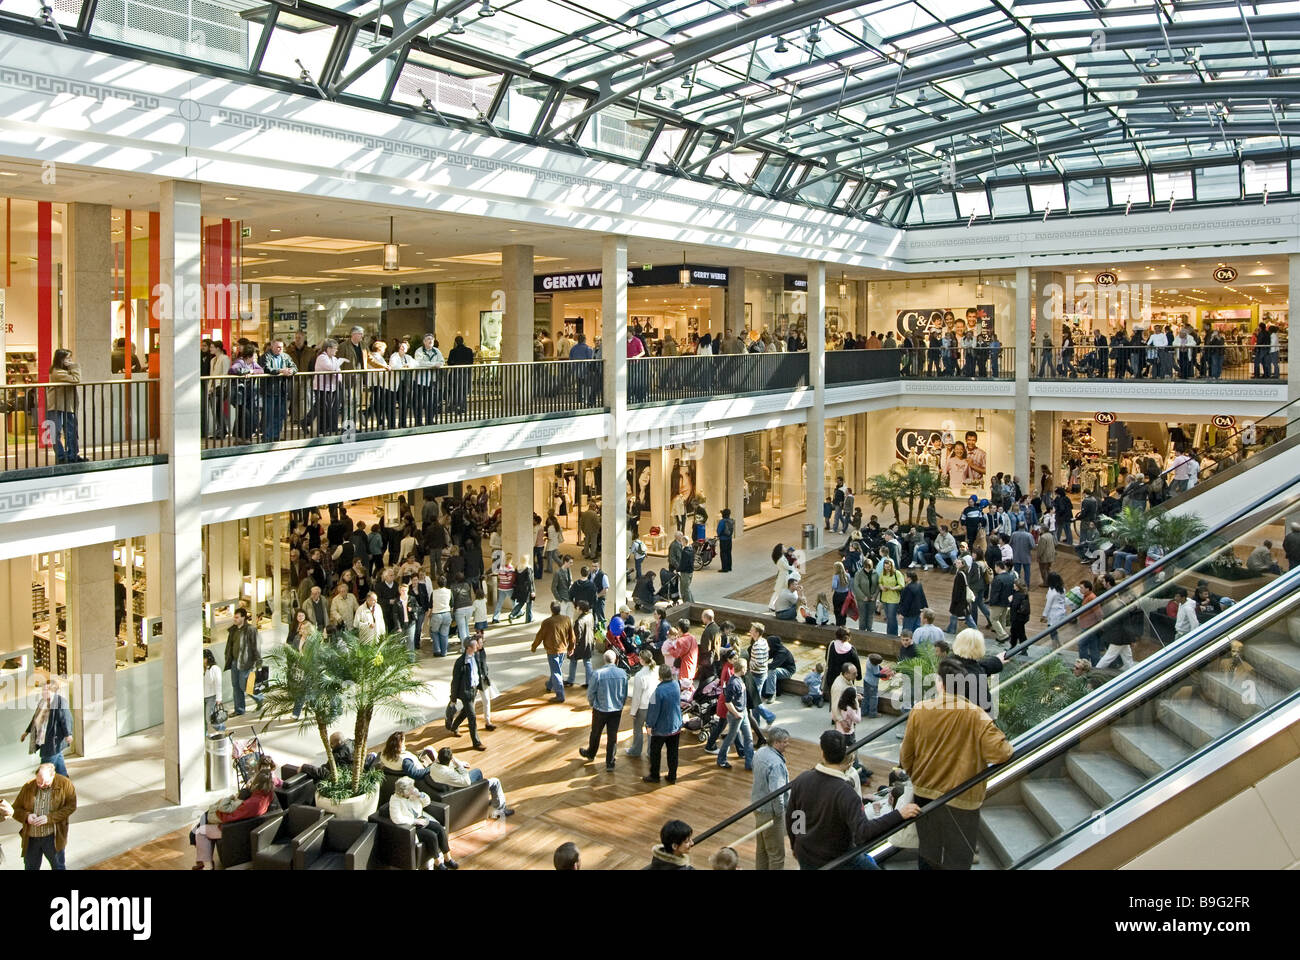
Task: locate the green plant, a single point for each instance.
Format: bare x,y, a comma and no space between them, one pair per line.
901,484
915,669
1038,692
1128,526
305,681
379,674
341,788
1173,530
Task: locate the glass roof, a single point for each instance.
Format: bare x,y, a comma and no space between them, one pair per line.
897,99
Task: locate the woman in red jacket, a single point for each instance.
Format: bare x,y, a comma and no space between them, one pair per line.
725,670
250,804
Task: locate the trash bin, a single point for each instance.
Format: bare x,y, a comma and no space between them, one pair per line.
809,536
218,762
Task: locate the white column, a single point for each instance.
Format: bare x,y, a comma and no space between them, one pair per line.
613,460
277,561
517,347
1292,367
860,318
735,495
92,648
735,304
181,563
1022,342
89,288
815,465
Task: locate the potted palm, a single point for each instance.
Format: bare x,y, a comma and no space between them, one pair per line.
378,675
303,683
901,484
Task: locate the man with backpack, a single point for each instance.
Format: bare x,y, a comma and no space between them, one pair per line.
726,532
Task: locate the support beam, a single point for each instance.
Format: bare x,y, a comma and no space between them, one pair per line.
89,287
735,496
180,565
1022,342
517,347
613,458
815,462
92,649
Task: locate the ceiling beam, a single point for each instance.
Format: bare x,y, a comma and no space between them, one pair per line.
397,41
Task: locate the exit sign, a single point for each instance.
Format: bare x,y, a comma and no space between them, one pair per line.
245,232
647,266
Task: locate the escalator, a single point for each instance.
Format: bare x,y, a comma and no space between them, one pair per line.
1230,479
1123,755
1044,704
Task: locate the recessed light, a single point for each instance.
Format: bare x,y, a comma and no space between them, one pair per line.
275,230
230,198
7,173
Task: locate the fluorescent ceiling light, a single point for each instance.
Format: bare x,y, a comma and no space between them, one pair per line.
310,244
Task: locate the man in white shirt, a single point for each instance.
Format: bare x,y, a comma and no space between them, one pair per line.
427,357
1160,356
369,619
643,689
1187,620
1180,470
927,632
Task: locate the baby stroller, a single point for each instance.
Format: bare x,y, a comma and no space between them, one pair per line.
705,551
669,587
247,757
698,711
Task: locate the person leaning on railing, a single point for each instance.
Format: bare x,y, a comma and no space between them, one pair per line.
327,389
276,363
61,407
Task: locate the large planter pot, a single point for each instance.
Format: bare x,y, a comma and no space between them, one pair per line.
1237,589
353,808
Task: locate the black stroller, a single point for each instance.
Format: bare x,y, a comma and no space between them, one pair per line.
669,586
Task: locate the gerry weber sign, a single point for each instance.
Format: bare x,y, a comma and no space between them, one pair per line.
660,276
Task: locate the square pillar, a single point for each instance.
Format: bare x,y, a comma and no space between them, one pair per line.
815,464
180,567
517,322
517,515
613,458
735,321
1292,368
89,287
1022,341
734,498
92,649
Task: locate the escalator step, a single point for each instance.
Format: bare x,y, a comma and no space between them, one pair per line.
1059,804
1150,749
1010,832
1195,720
1277,660
1103,775
1243,692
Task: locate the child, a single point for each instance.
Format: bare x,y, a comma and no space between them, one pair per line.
813,698
871,673
479,612
849,713
725,859
828,509
819,615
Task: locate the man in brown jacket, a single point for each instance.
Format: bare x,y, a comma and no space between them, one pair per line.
556,635
43,807
950,739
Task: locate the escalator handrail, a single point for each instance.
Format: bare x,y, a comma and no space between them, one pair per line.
1196,647
1124,585
1212,478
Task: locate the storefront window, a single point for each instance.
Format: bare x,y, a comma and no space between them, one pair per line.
933,305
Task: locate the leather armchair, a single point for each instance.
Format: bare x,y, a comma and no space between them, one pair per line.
396,845
337,845
465,806
274,842
297,790
235,847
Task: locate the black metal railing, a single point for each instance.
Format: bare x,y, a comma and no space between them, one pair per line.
652,380
980,362
51,424
272,408
1230,362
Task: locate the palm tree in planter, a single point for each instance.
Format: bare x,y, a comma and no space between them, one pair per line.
304,683
378,675
903,484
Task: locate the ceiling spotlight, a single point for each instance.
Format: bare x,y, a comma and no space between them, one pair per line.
1153,62
687,82
785,138
659,94
455,29
47,20
814,37
486,10
781,46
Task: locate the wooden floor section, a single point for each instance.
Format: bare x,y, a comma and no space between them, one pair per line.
614,818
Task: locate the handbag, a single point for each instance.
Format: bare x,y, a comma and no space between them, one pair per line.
451,713
218,716
849,607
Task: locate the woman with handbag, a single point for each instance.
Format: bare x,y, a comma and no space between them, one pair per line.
214,711
841,594
961,605
248,804
522,595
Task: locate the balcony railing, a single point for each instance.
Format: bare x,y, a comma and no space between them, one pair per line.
1231,362
240,411
49,426
653,380
863,366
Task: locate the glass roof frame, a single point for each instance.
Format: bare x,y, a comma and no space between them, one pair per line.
898,98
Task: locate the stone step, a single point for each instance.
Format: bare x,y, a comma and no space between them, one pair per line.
1194,719
1010,832
1059,804
1243,692
1277,660
1150,749
1103,775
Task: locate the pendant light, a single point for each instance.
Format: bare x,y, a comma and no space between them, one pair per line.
844,287
684,275
390,251
979,422
979,285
